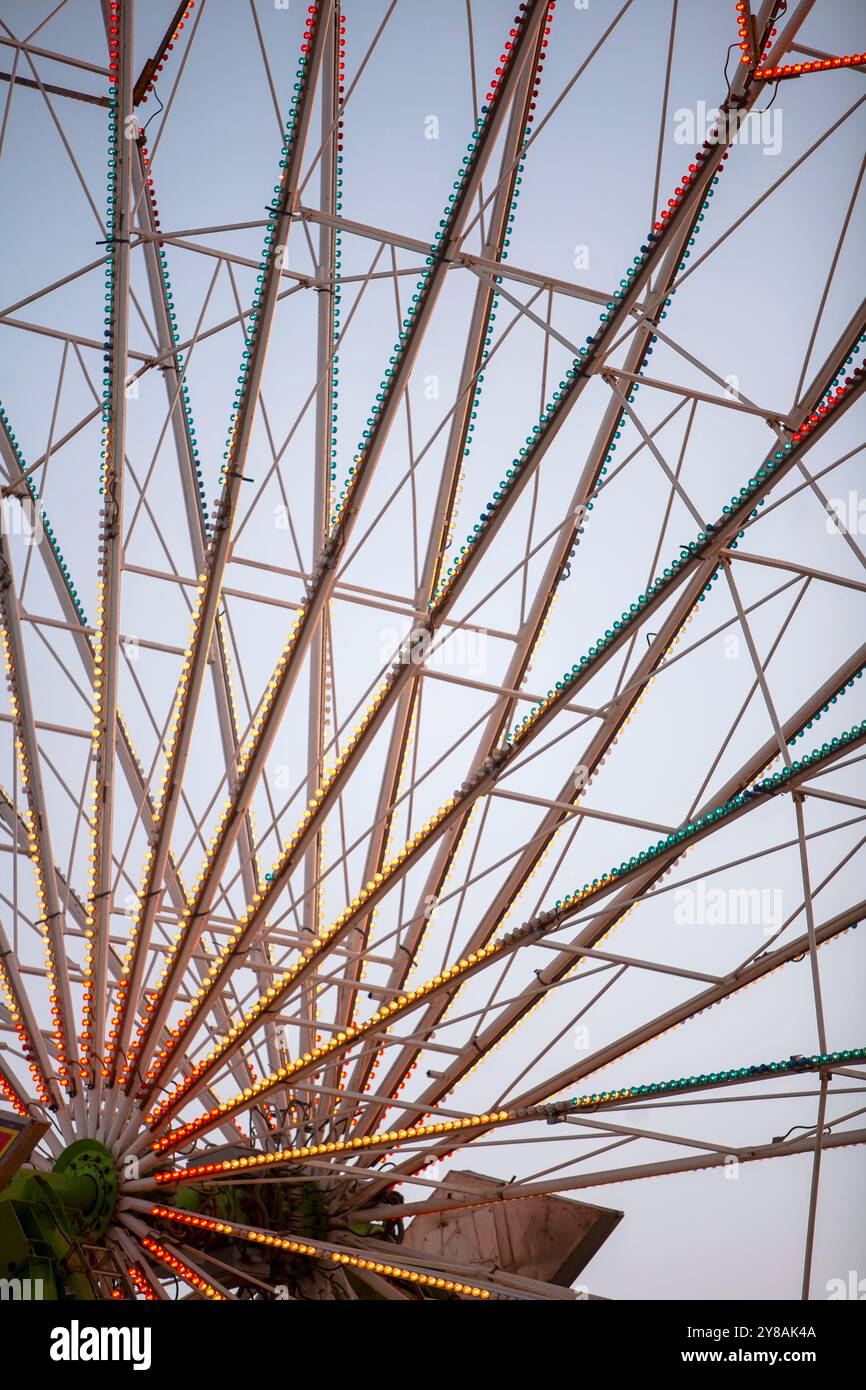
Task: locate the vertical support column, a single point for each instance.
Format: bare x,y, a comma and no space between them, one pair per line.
106,640
325,403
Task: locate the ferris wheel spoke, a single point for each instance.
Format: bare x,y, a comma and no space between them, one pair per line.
412,1267
138,1268
74,615
173,373
180,1264
331,178
634,1173
732,798
620,711
106,645
51,916
211,576
586,1109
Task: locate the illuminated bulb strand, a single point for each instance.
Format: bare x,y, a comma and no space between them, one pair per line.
347,1037
362,964
547,995
8,1089
240,934
787,1065
337,296
42,518
506,1033
660,312
529,932
824,403
493,1119
208,1171
262,721
38,846
367,1069
775,74
744,30
450,519
614,310
142,1284
191,433
622,918
65,573
63,568
822,407
15,1003
102,741
171,312
659,228
191,436
762,1071
153,75
187,690
318,1252
182,1270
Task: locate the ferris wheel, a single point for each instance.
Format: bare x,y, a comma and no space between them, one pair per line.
432,678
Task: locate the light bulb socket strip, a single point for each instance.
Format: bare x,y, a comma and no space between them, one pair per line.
154,66
106,639
175,1265
320,1250
788,70
754,47
394,1139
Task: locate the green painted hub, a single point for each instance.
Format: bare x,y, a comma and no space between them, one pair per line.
89,1181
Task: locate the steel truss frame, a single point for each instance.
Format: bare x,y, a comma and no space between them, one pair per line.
175,1030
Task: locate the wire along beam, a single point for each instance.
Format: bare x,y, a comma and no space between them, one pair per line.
392,1140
